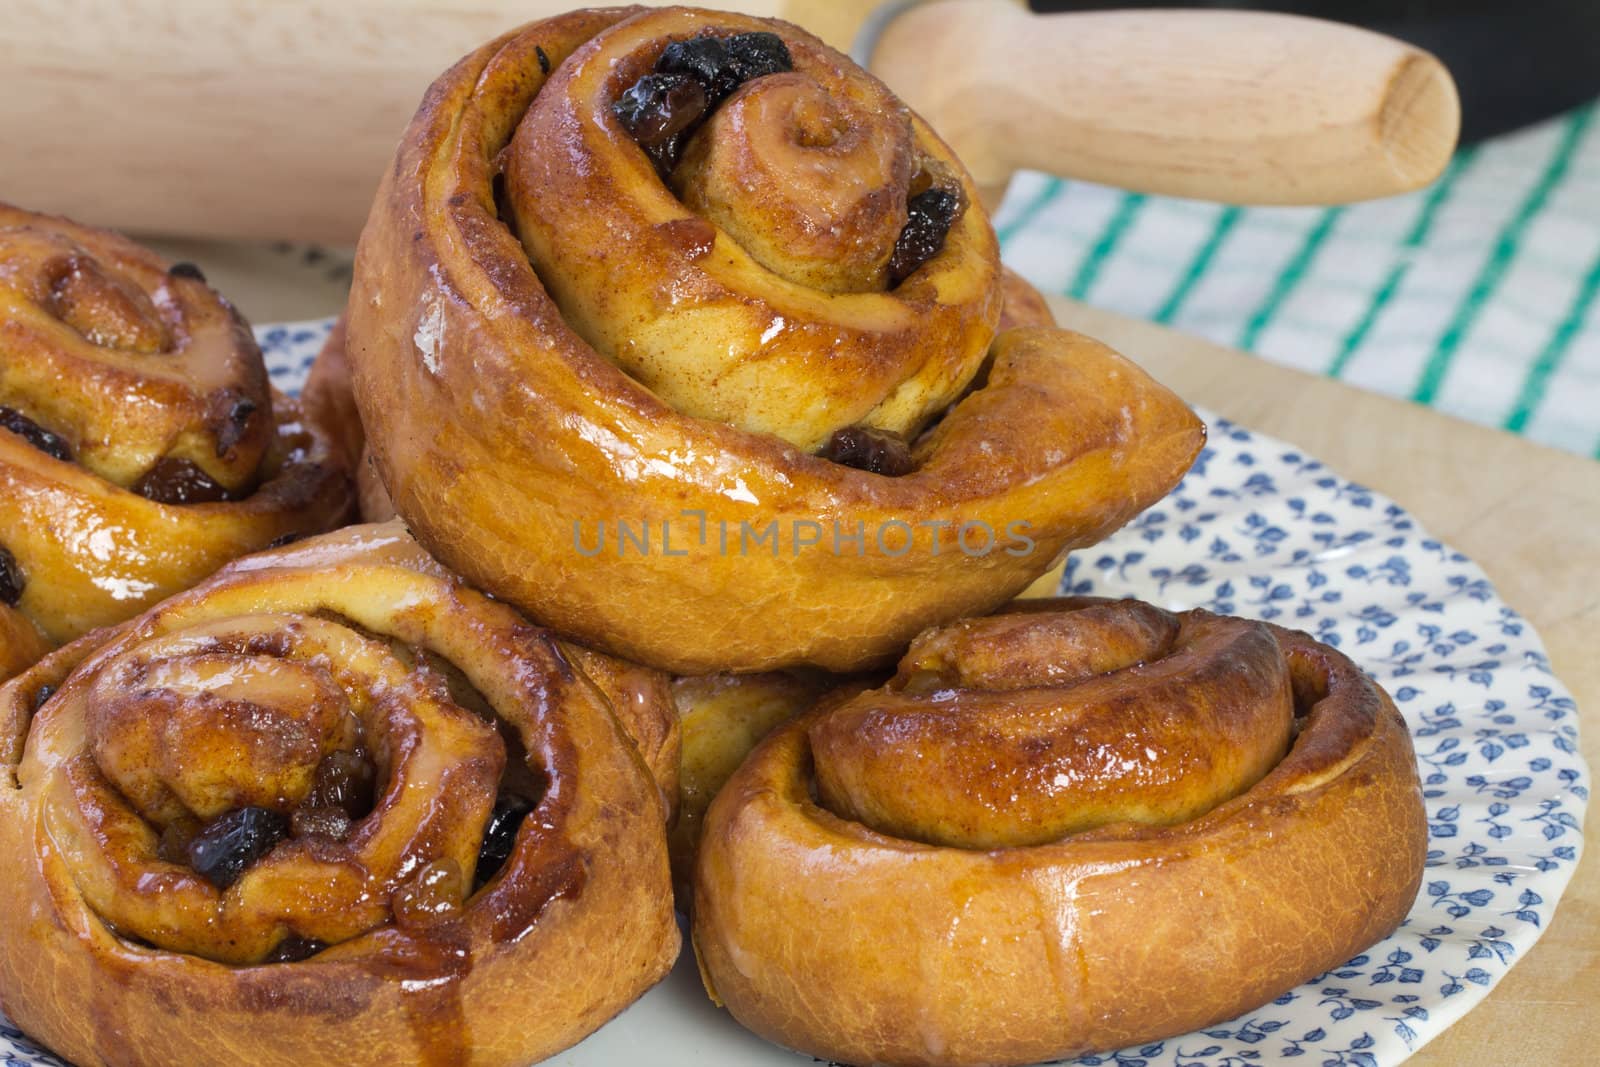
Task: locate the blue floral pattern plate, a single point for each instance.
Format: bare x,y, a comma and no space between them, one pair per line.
1260,529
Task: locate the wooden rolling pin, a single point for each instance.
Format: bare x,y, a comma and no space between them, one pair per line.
274,118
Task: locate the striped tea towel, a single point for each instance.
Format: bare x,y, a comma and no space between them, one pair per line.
1477,295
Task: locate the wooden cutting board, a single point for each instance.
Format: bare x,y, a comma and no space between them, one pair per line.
1530,516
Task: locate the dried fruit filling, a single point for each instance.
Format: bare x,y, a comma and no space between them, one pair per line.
662,110
225,848
343,792
51,444
929,216
12,580
866,449
510,809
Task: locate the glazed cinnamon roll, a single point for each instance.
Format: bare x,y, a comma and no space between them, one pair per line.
660,315
331,805
328,399
721,718
1074,826
141,445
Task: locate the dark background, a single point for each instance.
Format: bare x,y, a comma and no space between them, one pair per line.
1514,61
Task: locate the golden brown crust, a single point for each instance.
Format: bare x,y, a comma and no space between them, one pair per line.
506,441
851,943
723,717
1023,304
712,326
20,643
327,399
112,954
128,388
642,701
372,498
831,227
330,401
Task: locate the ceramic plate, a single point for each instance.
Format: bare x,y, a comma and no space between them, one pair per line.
1260,529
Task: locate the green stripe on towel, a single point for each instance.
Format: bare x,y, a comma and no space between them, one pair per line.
1288,278
1500,260
1227,218
1121,221
1549,361
1030,210
1414,239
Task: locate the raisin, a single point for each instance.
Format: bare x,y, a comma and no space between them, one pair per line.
866,449
51,444
544,60
44,693
12,580
346,781
327,822
186,270
656,109
661,110
431,898
227,845
295,948
722,64
500,835
755,55
230,414
179,481
705,59
929,216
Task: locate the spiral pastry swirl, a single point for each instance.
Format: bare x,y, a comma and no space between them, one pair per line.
141,446
699,275
1077,825
332,799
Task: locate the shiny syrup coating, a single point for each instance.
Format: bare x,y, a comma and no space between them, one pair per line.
140,386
